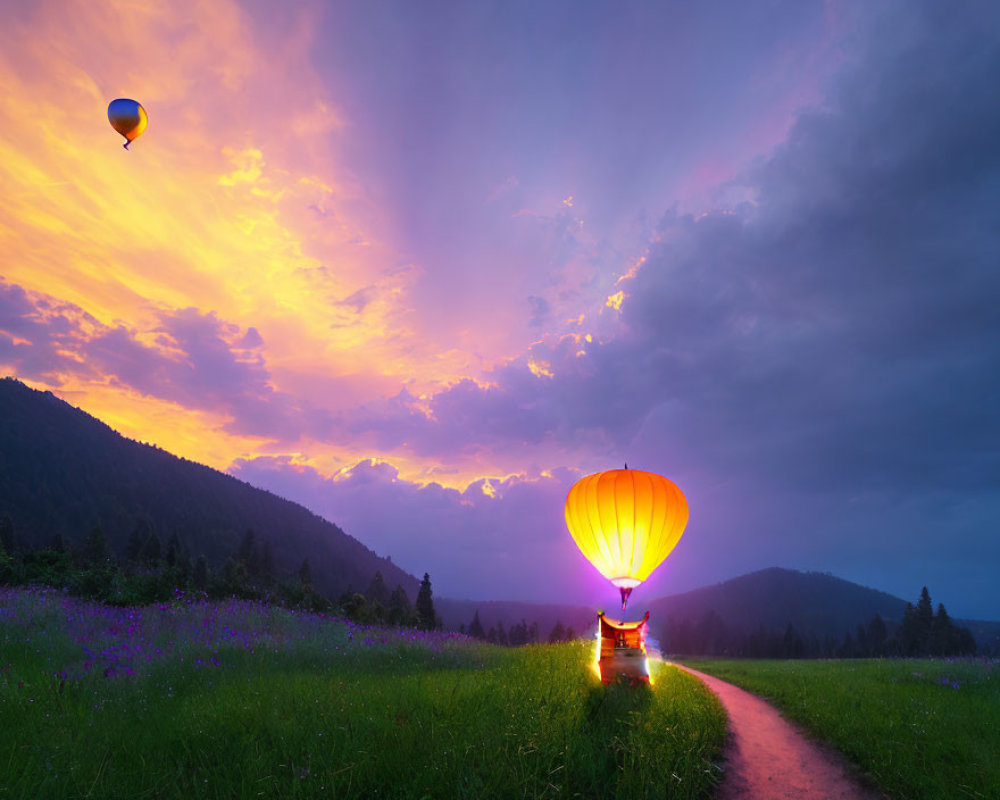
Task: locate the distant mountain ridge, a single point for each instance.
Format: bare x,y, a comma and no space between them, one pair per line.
772,598
816,601
62,471
775,596
812,602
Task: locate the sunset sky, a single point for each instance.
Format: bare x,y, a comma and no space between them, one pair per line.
421,265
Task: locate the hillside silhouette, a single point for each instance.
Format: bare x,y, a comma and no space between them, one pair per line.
818,613
815,610
774,597
63,472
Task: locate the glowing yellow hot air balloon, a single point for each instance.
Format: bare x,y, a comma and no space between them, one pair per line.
128,118
626,521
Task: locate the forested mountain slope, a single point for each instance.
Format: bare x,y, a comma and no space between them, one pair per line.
62,472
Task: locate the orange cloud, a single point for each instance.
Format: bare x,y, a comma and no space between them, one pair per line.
232,202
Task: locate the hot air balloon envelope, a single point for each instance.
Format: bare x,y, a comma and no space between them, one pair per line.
128,117
626,521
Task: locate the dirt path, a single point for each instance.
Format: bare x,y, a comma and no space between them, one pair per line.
768,758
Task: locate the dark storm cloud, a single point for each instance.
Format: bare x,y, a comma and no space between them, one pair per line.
820,364
841,330
852,313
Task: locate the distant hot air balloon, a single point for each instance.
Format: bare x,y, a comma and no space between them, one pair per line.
128,118
626,521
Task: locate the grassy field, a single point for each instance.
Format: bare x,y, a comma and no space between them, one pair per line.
922,730
200,700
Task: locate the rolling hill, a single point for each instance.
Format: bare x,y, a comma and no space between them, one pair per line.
812,602
62,471
772,598
775,597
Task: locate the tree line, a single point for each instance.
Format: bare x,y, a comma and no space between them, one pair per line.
152,571
378,606
520,633
920,633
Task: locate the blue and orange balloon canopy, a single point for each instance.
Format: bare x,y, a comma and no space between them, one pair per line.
128,117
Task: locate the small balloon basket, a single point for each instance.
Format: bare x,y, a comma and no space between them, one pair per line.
621,650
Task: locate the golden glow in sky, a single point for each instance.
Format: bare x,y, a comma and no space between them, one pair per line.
231,203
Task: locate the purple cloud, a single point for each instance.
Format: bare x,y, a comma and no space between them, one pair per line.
199,362
37,333
508,541
849,310
810,361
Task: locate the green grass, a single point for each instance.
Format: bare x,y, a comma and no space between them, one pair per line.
922,730
329,716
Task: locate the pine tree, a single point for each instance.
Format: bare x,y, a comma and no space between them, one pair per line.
7,539
400,609
861,637
924,616
141,532
570,634
6,564
249,554
345,597
151,550
877,635
235,580
267,565
173,550
476,627
792,645
426,619
558,633
965,642
305,573
377,591
200,577
908,634
94,552
132,547
182,568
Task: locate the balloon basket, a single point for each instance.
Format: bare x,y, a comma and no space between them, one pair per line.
621,650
